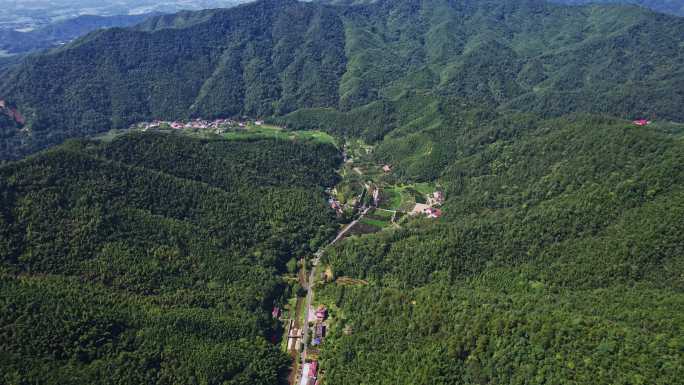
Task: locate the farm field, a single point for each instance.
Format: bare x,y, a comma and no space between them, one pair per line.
270,131
404,197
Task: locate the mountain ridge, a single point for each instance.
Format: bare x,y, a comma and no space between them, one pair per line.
275,57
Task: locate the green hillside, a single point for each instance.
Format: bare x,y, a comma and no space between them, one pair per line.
149,257
666,6
154,258
558,260
275,57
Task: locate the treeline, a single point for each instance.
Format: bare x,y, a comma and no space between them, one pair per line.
134,257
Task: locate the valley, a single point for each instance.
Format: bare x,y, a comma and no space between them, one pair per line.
339,192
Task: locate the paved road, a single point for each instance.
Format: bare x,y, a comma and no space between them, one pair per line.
312,277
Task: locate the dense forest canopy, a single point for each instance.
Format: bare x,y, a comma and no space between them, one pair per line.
559,260
154,258
275,57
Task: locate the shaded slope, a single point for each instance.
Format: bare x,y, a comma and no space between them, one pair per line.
114,270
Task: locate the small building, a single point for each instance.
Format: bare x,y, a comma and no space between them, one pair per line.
320,330
387,168
434,213
642,122
259,122
313,369
376,197
276,312
438,196
321,313
309,372
335,205
305,380
435,199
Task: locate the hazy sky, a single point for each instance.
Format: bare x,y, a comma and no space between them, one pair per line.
26,14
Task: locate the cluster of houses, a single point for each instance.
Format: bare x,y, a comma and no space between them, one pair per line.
423,209
197,124
319,326
428,209
309,374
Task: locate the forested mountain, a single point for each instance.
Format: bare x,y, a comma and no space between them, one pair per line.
62,32
675,7
274,57
154,258
558,260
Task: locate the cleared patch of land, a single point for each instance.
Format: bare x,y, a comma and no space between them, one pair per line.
250,131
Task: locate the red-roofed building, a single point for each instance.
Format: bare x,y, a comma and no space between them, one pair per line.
434,213
322,313
642,122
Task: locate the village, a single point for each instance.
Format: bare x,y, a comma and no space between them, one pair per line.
219,126
368,199
367,185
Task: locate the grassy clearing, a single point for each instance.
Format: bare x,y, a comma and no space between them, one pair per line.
274,132
380,213
393,199
404,197
424,188
375,222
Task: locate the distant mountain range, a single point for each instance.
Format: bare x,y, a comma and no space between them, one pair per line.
166,257
35,14
272,58
674,7
15,42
